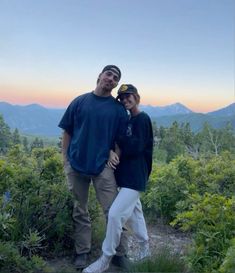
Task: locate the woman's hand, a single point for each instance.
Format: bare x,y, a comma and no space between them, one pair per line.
113,160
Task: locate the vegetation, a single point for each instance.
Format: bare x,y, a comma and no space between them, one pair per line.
191,187
162,261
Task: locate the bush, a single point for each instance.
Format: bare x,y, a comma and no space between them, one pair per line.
228,265
168,185
217,175
38,199
162,261
212,220
171,185
12,261
36,206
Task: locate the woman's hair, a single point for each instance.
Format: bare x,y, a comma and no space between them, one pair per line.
137,98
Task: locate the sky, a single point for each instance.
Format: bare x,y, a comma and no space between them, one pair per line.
172,50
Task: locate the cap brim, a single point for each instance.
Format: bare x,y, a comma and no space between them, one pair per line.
124,93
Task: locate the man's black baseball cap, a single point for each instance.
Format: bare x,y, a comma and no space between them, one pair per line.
113,68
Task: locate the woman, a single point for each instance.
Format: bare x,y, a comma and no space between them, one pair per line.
131,175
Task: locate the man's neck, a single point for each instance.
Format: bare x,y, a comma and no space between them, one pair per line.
102,92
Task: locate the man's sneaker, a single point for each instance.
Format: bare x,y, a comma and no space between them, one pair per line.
81,260
99,265
144,250
121,261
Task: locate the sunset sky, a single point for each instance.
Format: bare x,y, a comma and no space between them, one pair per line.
172,50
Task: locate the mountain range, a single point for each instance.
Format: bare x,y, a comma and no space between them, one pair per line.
35,119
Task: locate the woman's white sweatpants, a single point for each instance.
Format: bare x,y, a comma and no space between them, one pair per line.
126,209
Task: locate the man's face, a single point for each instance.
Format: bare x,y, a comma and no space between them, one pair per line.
108,79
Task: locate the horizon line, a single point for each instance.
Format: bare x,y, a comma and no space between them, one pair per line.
61,108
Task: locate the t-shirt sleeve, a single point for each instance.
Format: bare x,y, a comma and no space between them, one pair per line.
67,121
136,143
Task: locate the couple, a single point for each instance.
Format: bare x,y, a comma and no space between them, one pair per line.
97,131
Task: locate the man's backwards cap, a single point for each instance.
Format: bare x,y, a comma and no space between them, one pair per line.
113,68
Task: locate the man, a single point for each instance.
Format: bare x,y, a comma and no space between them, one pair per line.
92,123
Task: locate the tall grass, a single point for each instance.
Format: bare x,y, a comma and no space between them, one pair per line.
161,261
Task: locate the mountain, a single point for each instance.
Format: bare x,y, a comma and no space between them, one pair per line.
32,119
169,110
196,120
35,119
165,116
226,111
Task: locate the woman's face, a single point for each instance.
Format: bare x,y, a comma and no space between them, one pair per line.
129,101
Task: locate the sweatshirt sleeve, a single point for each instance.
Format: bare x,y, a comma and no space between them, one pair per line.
135,144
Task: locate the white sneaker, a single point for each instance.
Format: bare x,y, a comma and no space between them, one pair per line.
144,250
99,265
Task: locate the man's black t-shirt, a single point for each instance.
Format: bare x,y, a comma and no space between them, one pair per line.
94,124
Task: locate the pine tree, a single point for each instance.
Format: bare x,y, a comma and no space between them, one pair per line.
26,144
5,136
16,137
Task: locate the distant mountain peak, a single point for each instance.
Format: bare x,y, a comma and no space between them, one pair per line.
5,103
34,119
168,110
35,106
32,105
179,104
225,111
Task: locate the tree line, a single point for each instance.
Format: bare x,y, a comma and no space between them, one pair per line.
179,139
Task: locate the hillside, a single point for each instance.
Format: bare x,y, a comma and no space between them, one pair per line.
196,120
32,119
35,119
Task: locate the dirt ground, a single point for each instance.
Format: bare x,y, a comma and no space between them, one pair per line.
160,236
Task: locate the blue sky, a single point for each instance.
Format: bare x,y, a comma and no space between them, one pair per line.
171,50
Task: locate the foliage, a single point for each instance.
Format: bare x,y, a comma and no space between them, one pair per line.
212,220
32,243
12,261
214,141
16,137
6,224
192,184
180,140
36,206
162,261
171,185
217,175
228,265
5,136
168,185
198,194
39,200
37,143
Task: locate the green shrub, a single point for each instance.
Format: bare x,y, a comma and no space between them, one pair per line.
168,185
40,205
162,261
171,185
39,199
12,261
215,175
212,220
228,265
32,243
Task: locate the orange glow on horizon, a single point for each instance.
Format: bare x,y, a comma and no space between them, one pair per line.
64,102
60,98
